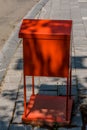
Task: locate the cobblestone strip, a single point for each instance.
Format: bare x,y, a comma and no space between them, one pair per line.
64,9
8,96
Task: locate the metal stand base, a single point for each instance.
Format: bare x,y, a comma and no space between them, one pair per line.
43,109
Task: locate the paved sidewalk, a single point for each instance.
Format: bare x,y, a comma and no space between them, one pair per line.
11,97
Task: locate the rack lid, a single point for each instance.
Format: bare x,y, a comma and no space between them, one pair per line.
48,29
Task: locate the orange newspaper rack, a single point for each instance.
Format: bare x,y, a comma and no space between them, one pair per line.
47,52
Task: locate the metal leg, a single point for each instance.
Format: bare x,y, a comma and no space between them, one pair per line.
67,98
33,85
70,82
24,95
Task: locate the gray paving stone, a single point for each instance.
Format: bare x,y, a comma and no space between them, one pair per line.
75,12
49,80
55,5
62,129
65,6
83,12
81,48
61,14
78,26
85,24
45,12
7,100
75,15
12,66
56,89
80,33
81,74
2,73
81,62
8,95
57,81
35,10
85,21
9,87
19,104
83,4
29,81
18,114
6,109
13,79
77,119
50,93
76,128
80,55
16,66
74,2
79,41
82,1
3,126
45,87
18,54
78,30
84,101
58,11
19,127
8,52
77,20
13,70
82,85
80,51
16,59
36,128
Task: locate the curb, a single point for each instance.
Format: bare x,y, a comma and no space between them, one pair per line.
13,42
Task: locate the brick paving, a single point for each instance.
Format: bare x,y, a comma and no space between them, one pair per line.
11,97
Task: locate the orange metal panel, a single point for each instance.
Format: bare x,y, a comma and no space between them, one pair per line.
46,57
46,47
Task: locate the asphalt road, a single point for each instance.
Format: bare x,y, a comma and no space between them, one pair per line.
11,12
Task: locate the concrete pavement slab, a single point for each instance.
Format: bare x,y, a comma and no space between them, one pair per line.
76,128
82,1
52,10
46,11
77,119
19,127
73,3
37,128
85,24
3,126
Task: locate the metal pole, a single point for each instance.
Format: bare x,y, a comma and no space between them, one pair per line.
24,95
33,85
67,94
70,82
